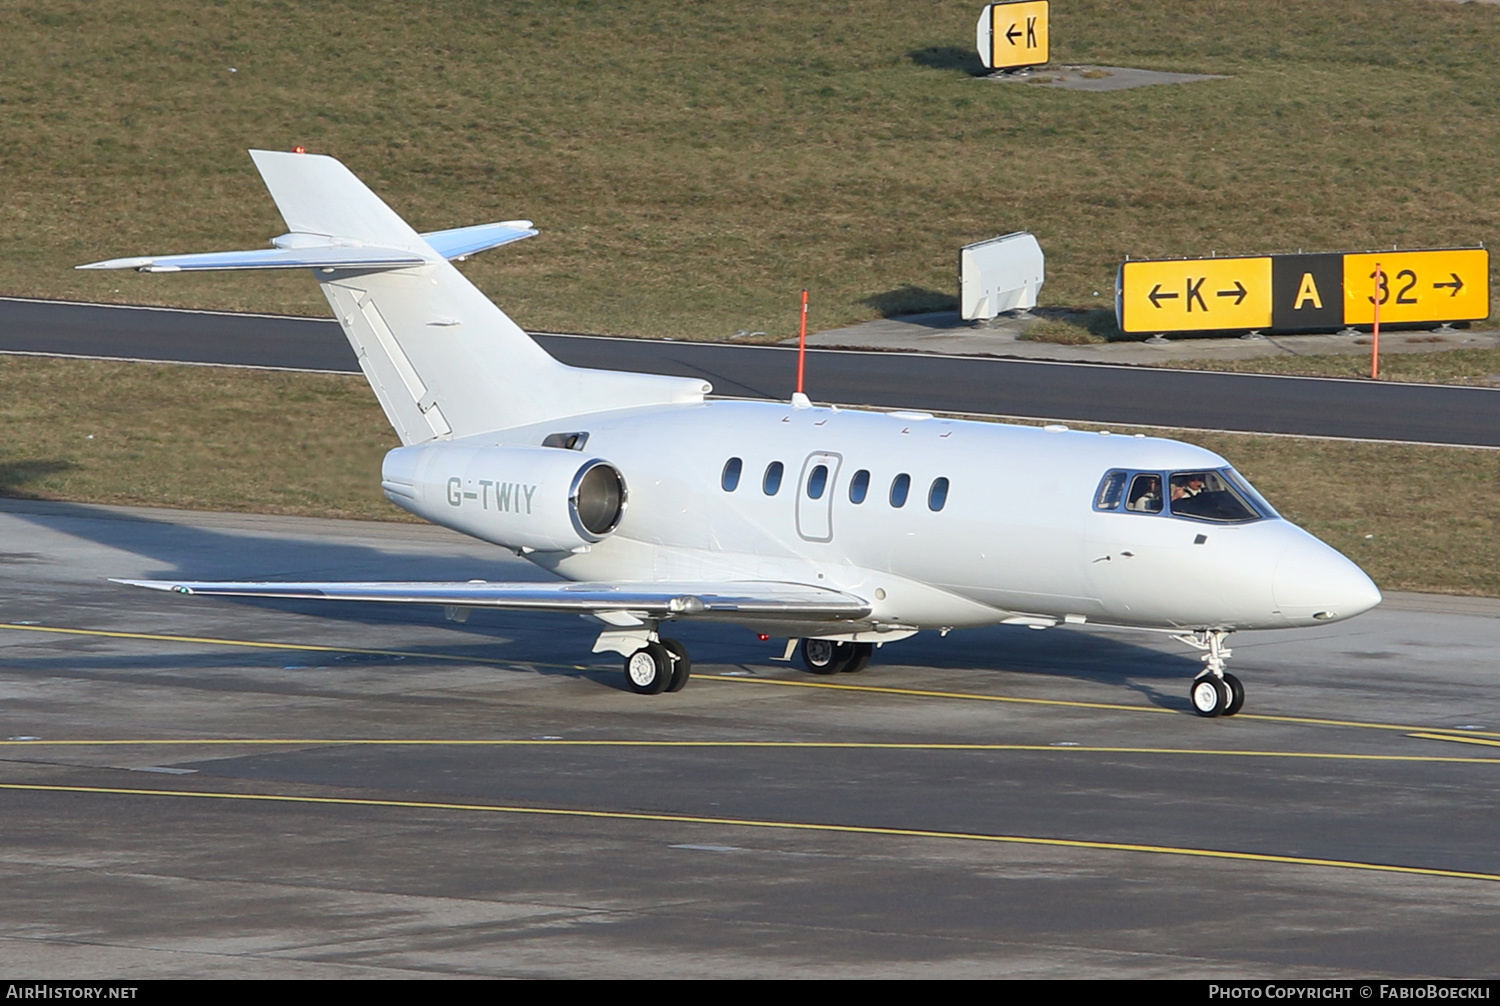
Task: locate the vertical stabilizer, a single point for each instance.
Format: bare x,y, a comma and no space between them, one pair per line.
443,360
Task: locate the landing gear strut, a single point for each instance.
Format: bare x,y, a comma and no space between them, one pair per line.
1215,692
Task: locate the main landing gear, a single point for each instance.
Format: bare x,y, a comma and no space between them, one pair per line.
660,666
1215,692
825,656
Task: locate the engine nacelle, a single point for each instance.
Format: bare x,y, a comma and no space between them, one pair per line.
539,498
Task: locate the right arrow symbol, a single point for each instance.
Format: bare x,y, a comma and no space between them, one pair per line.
1238,293
1457,285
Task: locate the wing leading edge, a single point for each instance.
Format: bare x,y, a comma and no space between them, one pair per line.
734,601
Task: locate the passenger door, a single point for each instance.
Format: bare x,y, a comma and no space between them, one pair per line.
815,491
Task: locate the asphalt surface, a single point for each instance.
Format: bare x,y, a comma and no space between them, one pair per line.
980,385
178,797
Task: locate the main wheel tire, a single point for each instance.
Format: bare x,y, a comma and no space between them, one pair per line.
824,656
861,658
1210,696
682,665
1236,695
648,670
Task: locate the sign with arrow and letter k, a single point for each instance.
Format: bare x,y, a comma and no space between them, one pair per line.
1186,295
1014,34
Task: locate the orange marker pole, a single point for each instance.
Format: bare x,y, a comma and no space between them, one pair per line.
802,345
1375,347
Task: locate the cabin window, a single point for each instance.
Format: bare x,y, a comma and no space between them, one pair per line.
730,480
1111,490
937,496
1145,493
772,482
859,486
817,482
900,486
1208,495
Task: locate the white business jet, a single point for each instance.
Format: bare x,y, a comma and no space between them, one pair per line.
836,529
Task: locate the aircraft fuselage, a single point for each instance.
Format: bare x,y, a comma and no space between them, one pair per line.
958,523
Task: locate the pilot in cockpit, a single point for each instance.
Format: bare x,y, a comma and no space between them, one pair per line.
1184,486
1145,495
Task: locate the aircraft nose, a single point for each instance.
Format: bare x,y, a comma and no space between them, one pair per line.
1315,582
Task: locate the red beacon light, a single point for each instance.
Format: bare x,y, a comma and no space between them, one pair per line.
299,150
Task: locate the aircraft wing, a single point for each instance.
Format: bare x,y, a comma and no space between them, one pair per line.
734,601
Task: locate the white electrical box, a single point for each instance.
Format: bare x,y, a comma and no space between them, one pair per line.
1001,274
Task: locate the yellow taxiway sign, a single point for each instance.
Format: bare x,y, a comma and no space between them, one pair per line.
1186,295
1417,286
1014,34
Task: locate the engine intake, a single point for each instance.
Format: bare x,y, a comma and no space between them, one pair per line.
536,498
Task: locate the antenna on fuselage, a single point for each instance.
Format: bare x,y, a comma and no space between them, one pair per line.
800,397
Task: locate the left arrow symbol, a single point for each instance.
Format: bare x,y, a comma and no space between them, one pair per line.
1013,34
1156,296
1238,293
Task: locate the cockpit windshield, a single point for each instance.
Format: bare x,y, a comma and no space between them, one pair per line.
1215,494
1208,496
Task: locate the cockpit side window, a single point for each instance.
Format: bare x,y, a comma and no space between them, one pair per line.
1145,493
1110,491
1208,495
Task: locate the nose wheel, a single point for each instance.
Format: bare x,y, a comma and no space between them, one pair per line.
1215,692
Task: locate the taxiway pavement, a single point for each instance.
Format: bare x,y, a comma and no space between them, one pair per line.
199,787
979,385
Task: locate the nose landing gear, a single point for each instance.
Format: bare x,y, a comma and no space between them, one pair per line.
1215,692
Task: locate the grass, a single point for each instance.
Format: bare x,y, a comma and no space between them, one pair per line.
1453,366
1074,328
693,165
205,438
1416,518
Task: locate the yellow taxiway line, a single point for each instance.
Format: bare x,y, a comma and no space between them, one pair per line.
847,829
769,745
872,689
1463,738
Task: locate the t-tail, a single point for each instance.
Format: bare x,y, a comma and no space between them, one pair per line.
444,361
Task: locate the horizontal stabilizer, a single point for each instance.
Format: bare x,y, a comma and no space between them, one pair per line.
311,257
463,241
747,599
315,251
